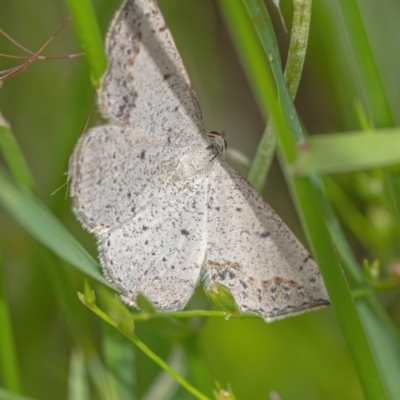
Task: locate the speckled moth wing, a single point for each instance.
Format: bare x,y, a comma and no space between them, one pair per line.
146,84
116,171
160,251
253,253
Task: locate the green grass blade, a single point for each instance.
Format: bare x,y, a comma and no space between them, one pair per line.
89,36
6,395
293,70
349,321
382,333
392,183
347,152
78,388
298,45
101,379
358,224
367,74
119,358
164,387
364,68
256,66
266,34
14,157
41,224
312,216
385,342
8,355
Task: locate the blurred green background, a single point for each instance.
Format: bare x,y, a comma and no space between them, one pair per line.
300,358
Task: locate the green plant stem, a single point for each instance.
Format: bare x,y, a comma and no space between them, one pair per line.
294,67
89,36
255,63
8,355
129,333
188,314
159,361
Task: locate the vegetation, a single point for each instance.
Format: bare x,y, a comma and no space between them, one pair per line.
338,151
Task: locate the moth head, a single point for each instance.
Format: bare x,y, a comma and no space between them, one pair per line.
218,143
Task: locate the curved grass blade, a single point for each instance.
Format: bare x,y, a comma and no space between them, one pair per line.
8,355
34,216
89,36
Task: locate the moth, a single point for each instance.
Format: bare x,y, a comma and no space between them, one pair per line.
166,209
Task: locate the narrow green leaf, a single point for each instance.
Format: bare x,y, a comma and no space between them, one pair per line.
262,23
119,358
358,224
89,36
339,293
14,157
382,333
41,224
164,387
6,395
385,342
293,70
255,64
365,68
101,379
8,355
347,152
78,388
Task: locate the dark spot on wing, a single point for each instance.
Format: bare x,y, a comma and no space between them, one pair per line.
222,274
309,257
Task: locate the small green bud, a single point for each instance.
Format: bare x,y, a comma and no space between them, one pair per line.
372,271
89,298
223,394
221,296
